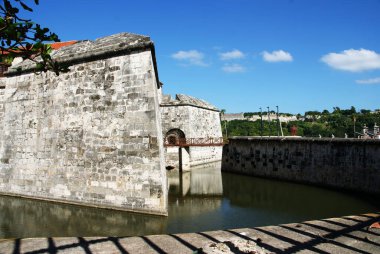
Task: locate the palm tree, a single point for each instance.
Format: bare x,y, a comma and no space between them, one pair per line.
222,112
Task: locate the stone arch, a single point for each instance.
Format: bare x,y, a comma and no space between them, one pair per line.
174,136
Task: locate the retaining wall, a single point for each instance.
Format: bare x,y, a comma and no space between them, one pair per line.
350,164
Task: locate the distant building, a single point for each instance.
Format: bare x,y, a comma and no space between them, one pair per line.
231,117
273,117
366,134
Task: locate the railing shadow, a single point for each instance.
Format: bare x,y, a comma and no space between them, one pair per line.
317,234
315,239
329,237
81,243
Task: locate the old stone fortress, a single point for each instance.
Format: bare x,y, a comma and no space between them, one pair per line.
102,134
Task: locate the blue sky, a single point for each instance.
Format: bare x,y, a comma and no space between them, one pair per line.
244,54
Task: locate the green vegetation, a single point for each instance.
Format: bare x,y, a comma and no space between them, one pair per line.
338,123
21,37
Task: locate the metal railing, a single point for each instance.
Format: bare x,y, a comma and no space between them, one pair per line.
194,142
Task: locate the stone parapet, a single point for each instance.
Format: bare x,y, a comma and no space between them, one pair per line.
186,100
349,234
349,164
86,51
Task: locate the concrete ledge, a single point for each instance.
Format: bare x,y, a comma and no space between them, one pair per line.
350,234
305,139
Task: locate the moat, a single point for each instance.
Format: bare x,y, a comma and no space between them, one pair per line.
200,200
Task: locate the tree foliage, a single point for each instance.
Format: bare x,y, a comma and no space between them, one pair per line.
23,38
338,123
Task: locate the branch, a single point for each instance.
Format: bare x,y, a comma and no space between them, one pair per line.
23,38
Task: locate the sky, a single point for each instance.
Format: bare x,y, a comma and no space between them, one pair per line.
241,55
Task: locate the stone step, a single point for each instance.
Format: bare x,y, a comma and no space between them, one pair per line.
349,234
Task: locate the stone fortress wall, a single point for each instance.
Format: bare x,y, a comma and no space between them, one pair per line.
92,136
2,109
349,164
196,119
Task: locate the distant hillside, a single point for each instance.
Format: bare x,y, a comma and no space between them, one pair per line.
339,122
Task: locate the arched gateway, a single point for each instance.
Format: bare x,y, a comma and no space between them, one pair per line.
176,155
175,137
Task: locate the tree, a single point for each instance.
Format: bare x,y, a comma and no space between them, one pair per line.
348,112
23,38
325,112
336,110
365,111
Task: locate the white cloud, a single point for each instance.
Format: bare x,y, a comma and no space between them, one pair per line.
369,81
191,57
353,60
277,56
234,54
233,68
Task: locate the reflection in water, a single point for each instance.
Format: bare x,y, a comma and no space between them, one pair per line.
207,181
30,218
179,183
275,202
200,200
204,181
195,199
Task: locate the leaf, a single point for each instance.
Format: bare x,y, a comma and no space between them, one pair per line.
13,10
48,49
37,45
40,66
26,7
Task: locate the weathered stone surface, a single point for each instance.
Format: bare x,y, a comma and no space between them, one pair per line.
186,100
231,247
319,236
90,136
85,51
351,164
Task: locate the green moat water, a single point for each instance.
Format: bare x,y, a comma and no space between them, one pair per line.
201,200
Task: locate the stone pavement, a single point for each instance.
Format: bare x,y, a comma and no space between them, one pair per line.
350,234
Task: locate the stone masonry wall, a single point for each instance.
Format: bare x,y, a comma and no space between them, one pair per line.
349,164
205,154
91,136
2,109
195,122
